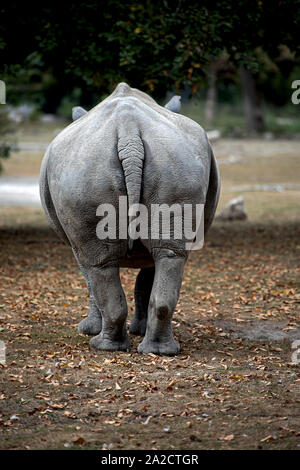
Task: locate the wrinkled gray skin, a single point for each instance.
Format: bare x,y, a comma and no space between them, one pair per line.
130,146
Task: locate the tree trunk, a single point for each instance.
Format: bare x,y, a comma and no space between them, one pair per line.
211,97
253,112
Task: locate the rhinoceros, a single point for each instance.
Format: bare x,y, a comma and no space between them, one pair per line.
128,145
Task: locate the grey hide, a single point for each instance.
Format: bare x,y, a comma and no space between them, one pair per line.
130,146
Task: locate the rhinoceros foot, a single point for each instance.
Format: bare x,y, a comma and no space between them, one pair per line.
90,325
102,343
167,348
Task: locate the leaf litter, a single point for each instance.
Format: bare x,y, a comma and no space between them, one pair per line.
223,390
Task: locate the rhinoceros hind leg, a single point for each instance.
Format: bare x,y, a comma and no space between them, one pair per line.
92,324
109,296
142,291
167,281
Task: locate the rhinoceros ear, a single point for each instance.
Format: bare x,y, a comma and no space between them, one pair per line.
174,104
77,112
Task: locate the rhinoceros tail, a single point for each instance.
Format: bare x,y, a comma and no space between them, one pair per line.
131,154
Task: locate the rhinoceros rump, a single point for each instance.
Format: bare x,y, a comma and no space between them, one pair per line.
130,146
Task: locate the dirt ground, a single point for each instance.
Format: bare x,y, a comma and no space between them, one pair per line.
233,386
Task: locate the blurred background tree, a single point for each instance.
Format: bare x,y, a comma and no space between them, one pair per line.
75,53
5,142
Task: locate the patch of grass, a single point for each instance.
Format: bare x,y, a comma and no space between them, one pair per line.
260,163
262,206
227,120
17,217
38,131
230,120
278,169
23,163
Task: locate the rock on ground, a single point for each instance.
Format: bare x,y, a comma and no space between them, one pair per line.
234,210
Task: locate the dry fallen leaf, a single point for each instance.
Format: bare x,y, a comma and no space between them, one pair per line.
227,438
267,438
79,440
147,420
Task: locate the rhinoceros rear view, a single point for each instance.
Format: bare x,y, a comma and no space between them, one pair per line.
128,147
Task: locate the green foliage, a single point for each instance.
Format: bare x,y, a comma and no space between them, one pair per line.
156,46
68,102
281,121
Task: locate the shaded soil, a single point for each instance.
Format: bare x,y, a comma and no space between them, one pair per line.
226,389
